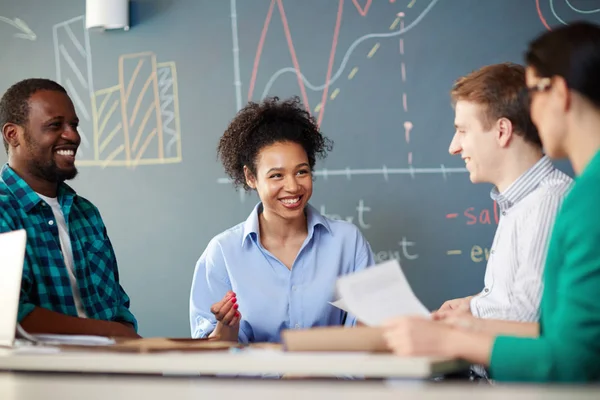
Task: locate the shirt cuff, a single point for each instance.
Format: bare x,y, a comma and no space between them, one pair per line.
126,316
473,307
24,310
528,366
204,327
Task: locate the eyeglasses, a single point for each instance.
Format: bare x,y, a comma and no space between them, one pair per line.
541,86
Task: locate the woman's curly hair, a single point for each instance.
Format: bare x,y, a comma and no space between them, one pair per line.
261,124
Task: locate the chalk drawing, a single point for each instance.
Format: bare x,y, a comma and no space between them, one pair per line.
25,31
578,11
347,172
135,122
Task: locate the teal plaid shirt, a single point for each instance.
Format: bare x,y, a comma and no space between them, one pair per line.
45,280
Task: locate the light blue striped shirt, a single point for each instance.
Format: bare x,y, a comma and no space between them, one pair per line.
272,297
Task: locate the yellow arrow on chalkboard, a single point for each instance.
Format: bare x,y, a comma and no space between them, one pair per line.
26,32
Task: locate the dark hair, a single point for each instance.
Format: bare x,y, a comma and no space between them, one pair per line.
499,88
261,124
14,105
571,52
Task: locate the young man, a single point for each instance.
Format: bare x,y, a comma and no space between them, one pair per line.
500,145
562,83
70,281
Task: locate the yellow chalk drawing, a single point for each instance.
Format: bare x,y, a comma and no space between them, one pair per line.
353,72
335,93
373,50
136,122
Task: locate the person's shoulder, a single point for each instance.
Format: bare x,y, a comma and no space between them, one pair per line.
550,192
227,239
345,232
232,234
581,203
556,183
6,197
9,205
228,242
86,207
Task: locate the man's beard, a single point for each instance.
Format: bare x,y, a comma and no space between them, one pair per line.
47,170
50,172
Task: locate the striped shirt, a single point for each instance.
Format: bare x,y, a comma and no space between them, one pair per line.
513,276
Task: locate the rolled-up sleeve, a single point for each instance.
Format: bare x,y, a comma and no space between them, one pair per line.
124,314
25,306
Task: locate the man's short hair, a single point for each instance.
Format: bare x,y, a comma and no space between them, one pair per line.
501,90
14,105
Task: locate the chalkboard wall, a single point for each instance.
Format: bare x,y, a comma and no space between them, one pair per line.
154,100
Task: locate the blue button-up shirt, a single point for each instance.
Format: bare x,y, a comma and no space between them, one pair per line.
272,297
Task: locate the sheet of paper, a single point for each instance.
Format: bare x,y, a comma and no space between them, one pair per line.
81,340
339,303
378,293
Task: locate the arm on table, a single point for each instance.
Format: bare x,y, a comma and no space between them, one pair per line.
568,348
495,327
41,320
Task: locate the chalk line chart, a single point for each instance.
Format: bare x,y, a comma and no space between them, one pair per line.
569,4
135,122
397,29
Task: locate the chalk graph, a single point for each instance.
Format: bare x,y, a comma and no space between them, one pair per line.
395,30
569,3
135,122
552,5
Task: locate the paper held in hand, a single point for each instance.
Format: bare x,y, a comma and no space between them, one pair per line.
378,293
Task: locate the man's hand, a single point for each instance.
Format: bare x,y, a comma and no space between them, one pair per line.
455,307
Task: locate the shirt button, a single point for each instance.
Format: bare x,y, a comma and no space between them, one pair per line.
486,290
492,252
503,212
294,288
297,326
50,222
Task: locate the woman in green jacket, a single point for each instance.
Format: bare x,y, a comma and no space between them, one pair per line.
563,85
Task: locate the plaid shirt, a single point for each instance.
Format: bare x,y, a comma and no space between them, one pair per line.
45,281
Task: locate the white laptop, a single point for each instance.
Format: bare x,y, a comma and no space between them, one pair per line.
12,257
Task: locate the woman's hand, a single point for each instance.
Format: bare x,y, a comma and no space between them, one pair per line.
228,318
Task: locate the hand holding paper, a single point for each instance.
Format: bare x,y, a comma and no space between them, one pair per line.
378,293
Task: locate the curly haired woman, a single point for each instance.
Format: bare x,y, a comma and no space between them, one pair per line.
277,270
